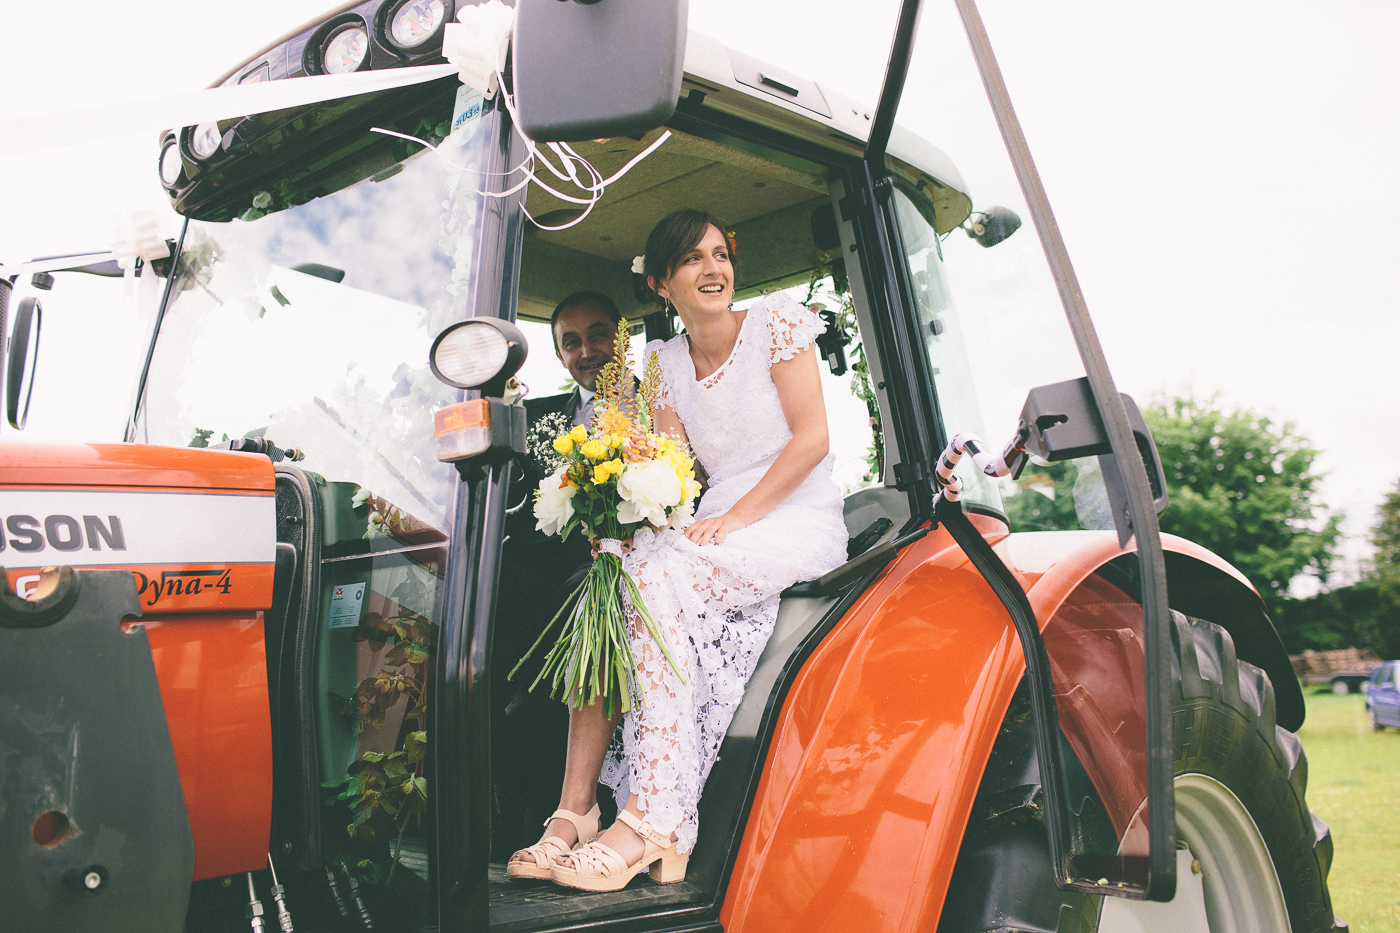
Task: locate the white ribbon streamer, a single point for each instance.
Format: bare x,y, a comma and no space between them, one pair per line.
122,117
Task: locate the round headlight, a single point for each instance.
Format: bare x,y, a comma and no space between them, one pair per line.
346,50
473,353
416,22
170,165
205,140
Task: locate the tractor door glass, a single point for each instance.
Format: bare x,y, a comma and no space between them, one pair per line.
1005,343
378,637
943,337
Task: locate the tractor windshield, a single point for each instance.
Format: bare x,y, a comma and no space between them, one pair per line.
311,327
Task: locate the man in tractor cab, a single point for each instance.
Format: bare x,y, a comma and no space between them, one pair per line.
530,730
584,326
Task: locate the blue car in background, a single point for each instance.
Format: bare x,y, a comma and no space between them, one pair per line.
1383,696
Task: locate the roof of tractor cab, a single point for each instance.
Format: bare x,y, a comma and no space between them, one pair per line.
768,197
766,192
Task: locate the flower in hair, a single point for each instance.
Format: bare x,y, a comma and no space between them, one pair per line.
639,265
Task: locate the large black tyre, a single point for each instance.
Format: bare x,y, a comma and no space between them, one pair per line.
1224,727
1225,737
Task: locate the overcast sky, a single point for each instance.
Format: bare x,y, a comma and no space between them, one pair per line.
1223,172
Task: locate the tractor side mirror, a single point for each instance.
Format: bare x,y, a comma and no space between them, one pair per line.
24,357
1061,422
596,68
991,226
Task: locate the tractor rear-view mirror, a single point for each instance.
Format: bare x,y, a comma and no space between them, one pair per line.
1061,423
24,356
586,70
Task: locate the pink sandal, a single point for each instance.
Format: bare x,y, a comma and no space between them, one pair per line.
538,860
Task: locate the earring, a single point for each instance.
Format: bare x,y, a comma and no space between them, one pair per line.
731,305
667,307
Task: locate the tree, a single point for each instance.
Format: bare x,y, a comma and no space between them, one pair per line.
1383,631
1246,488
1386,537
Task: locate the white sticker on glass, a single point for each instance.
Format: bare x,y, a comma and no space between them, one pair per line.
346,601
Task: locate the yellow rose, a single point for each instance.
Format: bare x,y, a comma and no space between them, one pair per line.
601,474
614,465
563,443
593,450
579,433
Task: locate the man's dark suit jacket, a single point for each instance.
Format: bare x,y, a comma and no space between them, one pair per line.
529,730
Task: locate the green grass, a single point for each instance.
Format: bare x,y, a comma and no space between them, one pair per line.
1354,784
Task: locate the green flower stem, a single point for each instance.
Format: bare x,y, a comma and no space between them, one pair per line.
592,656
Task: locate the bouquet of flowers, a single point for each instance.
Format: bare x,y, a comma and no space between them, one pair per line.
608,480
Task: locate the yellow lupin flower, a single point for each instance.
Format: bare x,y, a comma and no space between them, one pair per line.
601,474
579,434
564,443
612,421
593,450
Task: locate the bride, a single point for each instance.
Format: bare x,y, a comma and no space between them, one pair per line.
743,388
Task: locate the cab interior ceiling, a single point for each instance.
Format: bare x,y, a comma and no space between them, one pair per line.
768,204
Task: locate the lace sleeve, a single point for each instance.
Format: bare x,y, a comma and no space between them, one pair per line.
663,390
791,328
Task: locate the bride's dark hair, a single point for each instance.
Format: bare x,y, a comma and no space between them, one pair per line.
675,235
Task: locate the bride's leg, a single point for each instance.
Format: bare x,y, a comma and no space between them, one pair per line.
659,747
620,837
590,731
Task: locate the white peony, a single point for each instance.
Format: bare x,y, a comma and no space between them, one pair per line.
684,515
647,490
554,505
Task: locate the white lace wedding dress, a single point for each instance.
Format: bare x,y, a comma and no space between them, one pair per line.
716,604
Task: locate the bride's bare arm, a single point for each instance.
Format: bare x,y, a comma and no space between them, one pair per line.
800,391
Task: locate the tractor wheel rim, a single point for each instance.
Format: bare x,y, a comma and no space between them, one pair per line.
1226,881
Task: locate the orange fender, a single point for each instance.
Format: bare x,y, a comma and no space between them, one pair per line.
884,736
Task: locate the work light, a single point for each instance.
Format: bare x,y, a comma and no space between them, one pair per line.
170,164
415,22
205,140
478,352
345,50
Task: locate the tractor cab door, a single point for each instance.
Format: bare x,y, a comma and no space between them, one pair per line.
1095,628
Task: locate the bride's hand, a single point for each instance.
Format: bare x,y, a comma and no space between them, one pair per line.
713,530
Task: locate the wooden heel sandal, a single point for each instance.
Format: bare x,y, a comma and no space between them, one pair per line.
598,867
539,859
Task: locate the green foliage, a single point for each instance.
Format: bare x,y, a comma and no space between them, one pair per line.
1365,614
386,793
829,282
1386,537
1246,488
1044,498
